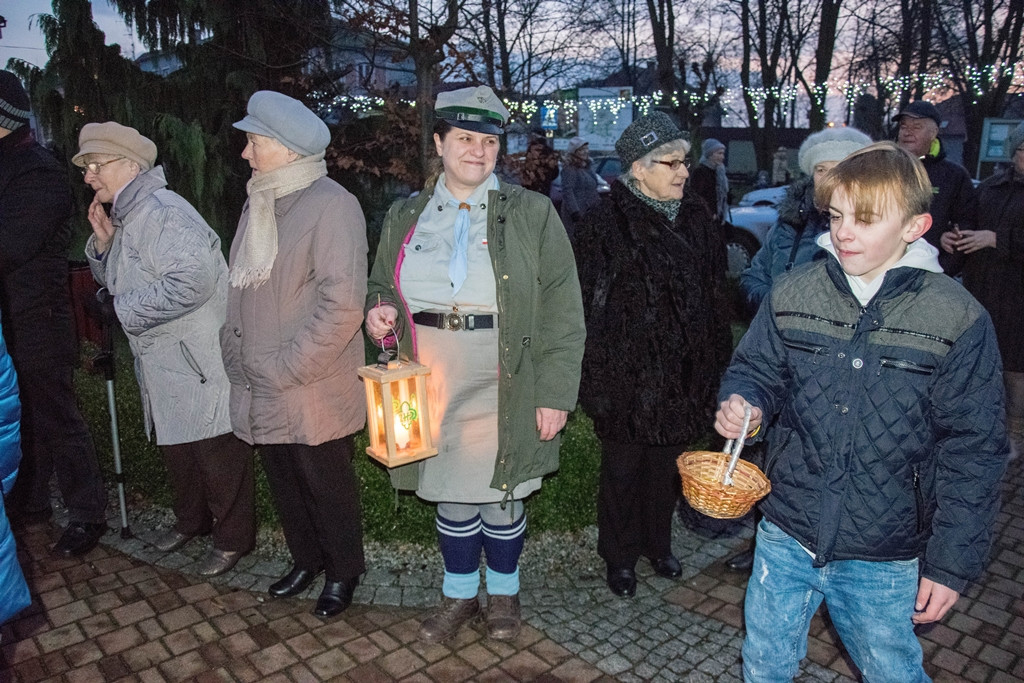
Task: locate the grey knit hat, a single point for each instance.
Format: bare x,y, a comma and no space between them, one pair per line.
116,140
708,147
645,135
290,122
575,143
831,144
477,109
14,104
1015,139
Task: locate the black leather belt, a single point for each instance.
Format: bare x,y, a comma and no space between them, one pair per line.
455,321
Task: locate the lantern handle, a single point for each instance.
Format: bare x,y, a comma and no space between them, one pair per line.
387,355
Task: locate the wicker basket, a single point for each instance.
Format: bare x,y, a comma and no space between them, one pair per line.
702,473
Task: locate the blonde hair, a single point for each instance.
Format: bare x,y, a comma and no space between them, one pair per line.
876,176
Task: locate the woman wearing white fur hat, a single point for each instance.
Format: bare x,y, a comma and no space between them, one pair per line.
792,240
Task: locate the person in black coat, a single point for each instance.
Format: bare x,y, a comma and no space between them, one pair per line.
35,235
652,271
954,199
994,272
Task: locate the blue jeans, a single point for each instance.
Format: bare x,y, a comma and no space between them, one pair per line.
870,604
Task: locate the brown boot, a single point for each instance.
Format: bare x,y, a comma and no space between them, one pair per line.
448,619
503,617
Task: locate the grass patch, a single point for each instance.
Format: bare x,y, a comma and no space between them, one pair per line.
566,502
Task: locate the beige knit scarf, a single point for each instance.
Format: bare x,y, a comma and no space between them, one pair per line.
258,250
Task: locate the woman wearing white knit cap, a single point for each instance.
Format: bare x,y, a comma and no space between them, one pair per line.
791,241
292,342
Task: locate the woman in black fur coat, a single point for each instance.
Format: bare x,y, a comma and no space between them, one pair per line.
651,265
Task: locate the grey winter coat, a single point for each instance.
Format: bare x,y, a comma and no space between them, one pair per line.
169,281
293,344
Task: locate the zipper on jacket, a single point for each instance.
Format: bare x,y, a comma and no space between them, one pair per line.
808,348
907,365
918,500
192,362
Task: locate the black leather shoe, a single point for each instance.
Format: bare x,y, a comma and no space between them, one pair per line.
294,582
622,581
667,566
79,538
335,597
741,562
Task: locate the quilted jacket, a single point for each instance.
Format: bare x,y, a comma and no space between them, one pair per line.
169,281
888,440
14,595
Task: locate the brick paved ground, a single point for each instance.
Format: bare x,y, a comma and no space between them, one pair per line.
125,612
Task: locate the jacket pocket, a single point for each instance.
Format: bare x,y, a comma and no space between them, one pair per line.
805,347
422,243
905,365
192,363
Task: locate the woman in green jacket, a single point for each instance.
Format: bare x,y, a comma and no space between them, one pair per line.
473,276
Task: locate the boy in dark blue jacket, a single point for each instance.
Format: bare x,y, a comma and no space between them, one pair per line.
879,381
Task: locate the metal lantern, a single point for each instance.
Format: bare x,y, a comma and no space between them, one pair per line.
396,411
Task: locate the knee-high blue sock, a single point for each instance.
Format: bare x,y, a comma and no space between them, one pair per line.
503,545
460,547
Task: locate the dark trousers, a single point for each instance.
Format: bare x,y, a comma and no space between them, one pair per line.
635,501
214,490
317,498
55,439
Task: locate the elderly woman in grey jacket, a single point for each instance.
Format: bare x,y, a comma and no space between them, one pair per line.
292,342
163,265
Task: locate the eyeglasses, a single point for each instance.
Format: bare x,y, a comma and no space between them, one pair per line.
674,164
95,166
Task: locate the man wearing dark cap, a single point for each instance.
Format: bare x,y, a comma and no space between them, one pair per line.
954,201
35,205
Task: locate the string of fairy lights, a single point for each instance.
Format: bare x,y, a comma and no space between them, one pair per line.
976,81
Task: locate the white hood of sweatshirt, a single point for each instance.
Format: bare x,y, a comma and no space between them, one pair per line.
920,254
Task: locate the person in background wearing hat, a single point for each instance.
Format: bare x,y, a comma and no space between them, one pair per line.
954,199
292,343
579,184
709,181
164,267
792,240
780,167
652,270
994,272
474,275
540,165
35,235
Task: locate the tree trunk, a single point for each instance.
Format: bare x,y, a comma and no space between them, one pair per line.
823,61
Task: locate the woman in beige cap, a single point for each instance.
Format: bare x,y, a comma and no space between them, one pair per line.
163,265
292,343
476,275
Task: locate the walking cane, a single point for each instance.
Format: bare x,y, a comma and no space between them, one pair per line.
104,311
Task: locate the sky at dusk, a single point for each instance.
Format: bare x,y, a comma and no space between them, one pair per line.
21,41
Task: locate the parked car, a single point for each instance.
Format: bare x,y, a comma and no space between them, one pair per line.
608,167
556,189
748,225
